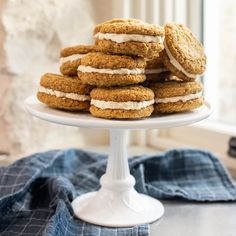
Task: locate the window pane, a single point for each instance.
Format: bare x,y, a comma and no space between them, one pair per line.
220,44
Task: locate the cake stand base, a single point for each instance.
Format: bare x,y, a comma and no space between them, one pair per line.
117,203
117,209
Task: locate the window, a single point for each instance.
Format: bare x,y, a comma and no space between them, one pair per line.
220,77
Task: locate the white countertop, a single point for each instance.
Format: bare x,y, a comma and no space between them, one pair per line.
196,219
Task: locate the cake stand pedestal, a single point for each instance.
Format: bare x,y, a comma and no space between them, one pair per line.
116,203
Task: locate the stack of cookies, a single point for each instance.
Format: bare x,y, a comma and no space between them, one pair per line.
66,91
133,69
118,69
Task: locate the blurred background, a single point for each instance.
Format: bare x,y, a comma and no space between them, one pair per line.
33,32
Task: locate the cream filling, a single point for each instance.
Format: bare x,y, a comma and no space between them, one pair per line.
121,71
176,63
121,38
121,105
179,98
71,58
59,94
155,71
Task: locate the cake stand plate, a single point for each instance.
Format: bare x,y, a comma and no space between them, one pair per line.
43,112
116,203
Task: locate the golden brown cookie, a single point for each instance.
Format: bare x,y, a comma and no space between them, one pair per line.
115,20
176,96
128,102
130,37
101,69
70,58
155,70
64,92
183,55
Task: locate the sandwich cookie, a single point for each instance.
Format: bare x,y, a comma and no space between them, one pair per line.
64,92
175,96
183,55
130,37
155,70
70,58
129,102
101,69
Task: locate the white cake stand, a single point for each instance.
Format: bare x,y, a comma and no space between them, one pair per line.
117,203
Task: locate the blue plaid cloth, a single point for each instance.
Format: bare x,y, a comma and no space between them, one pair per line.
36,192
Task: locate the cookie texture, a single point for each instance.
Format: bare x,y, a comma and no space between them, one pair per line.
125,94
178,106
63,103
115,20
158,77
70,67
185,49
129,26
108,80
78,49
64,84
102,60
145,50
121,114
174,88
108,61
153,64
